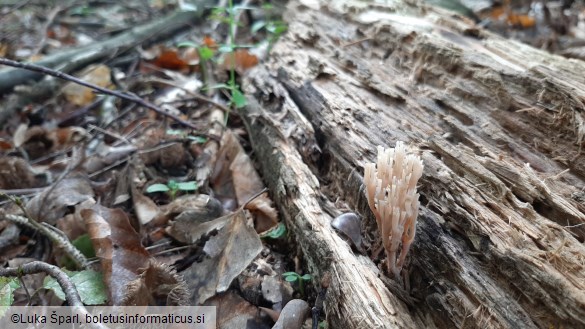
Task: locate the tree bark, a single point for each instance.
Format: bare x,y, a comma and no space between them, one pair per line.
499,126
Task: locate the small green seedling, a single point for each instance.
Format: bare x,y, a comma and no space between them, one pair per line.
172,188
183,134
299,279
278,232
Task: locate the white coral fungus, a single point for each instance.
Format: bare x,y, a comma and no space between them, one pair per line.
391,192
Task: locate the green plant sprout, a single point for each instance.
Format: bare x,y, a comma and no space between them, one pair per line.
299,279
172,187
205,55
227,15
274,28
238,98
275,233
184,134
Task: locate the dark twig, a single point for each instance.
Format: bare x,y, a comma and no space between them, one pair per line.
34,267
68,287
50,19
318,308
57,239
122,95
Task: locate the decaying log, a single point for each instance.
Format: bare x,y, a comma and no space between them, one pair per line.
499,126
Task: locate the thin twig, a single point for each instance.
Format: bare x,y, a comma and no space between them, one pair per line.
45,30
122,95
34,267
21,191
195,95
253,197
56,238
68,287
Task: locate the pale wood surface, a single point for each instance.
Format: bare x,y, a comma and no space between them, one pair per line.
499,126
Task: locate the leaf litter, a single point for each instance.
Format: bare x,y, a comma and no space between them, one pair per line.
82,163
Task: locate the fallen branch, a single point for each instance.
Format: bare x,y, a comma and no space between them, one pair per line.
56,238
68,287
76,58
82,56
122,95
62,279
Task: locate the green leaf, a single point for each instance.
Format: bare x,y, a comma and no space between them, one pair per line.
90,286
83,243
275,233
217,11
7,287
290,274
187,186
173,185
267,6
175,132
291,278
205,53
238,98
225,49
218,86
245,46
306,277
198,139
157,188
190,44
276,28
240,7
257,26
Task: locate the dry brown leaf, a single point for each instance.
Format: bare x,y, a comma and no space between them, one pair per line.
144,208
241,58
38,140
80,95
132,276
228,254
56,201
265,216
209,42
157,283
169,59
16,173
5,145
190,231
234,311
118,246
187,213
234,176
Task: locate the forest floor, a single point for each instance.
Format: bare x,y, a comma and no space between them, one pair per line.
148,166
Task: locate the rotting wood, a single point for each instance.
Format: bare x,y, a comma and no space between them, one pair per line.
499,126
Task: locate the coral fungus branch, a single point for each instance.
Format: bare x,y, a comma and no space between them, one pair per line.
391,193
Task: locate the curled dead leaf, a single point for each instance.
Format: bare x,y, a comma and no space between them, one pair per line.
234,176
228,253
56,201
131,275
